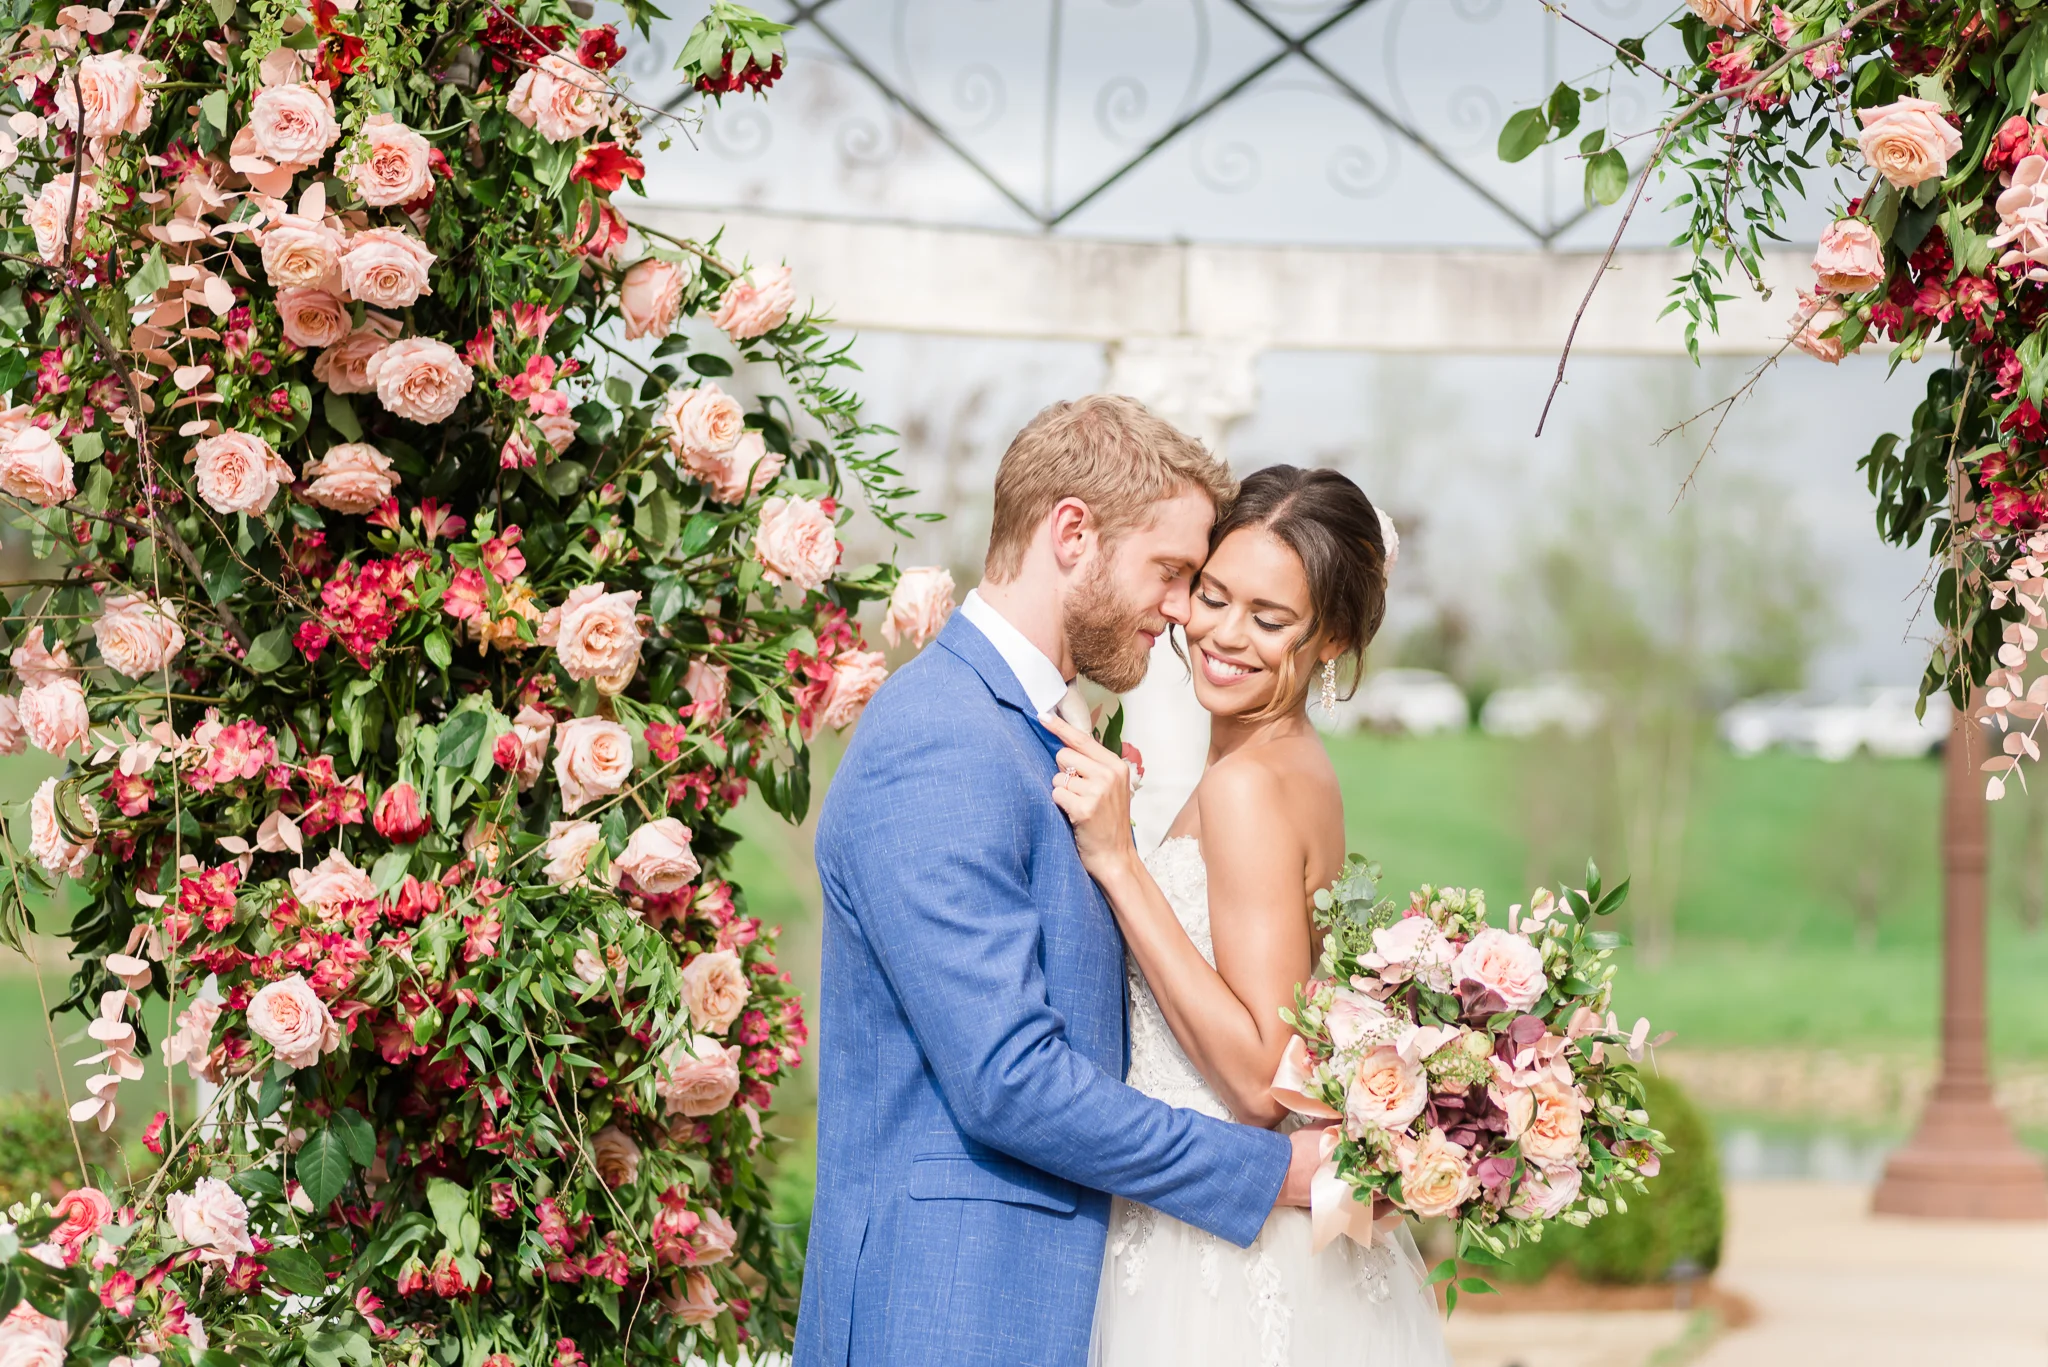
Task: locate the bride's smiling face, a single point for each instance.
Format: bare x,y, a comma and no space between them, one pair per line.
1251,606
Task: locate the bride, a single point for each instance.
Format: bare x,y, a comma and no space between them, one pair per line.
1216,920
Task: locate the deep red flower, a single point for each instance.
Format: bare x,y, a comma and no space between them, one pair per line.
598,48
607,166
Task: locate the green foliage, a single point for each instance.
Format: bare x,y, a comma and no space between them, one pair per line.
36,1152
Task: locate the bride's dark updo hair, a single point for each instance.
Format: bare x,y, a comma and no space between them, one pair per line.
1332,527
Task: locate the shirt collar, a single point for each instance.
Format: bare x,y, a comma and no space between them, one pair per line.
1041,678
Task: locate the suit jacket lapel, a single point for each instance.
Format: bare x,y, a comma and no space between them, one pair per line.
965,640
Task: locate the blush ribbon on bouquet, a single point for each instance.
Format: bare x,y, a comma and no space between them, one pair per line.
1333,1209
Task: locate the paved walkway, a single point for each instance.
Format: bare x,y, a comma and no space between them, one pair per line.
1830,1283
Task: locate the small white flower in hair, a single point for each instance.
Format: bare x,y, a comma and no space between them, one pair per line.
1391,537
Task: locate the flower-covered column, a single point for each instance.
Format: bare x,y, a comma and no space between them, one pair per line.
1204,387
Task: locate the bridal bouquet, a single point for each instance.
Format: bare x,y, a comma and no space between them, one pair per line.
1475,1071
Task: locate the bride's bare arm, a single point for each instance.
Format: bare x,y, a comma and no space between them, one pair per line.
1226,1018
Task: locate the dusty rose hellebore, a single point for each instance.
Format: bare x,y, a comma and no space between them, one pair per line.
399,817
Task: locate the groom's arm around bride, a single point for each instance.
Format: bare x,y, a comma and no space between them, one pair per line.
971,1112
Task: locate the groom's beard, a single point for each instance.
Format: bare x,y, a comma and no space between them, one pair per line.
1102,632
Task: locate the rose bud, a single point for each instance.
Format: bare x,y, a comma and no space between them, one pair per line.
398,817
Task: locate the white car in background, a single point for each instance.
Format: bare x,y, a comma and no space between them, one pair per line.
1877,720
1419,702
1558,703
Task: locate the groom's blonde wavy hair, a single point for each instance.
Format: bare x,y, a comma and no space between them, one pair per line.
1113,454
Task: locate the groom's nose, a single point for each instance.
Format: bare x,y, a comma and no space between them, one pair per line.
1176,604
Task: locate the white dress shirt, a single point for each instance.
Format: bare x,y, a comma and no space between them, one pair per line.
1043,683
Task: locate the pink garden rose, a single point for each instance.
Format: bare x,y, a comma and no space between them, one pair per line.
345,366
715,988
657,857
117,100
1816,314
796,543
593,759
559,99
705,420
291,126
750,308
46,839
568,850
290,1017
1436,1177
1412,947
736,474
212,1219
1554,1129
1736,14
301,252
615,1156
558,428
312,318
36,664
922,602
1505,964
53,715
1850,259
1907,141
238,473
706,682
593,632
332,884
138,636
47,216
532,727
386,268
35,467
1386,1092
29,1338
699,1080
2023,218
353,477
650,296
856,674
421,379
401,817
84,1212
1544,1193
389,163
13,740
696,1303
1352,1018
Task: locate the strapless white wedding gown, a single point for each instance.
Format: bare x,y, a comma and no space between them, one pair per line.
1177,1296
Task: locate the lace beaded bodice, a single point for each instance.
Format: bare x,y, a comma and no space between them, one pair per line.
1158,1067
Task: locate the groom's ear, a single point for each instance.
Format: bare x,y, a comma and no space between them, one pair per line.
1071,525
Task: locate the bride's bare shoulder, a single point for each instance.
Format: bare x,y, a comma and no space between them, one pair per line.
1271,783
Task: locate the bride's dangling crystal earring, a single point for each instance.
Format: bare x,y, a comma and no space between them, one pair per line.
1330,689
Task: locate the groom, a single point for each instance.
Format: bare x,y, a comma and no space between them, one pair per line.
971,1113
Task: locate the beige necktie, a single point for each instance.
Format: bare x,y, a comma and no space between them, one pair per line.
1073,710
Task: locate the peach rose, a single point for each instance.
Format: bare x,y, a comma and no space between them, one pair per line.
211,1219
706,684
856,674
300,251
290,1017
13,740
421,379
533,727
1815,315
1386,1092
1907,141
1850,259
559,99
650,296
386,268
705,420
733,476
558,428
53,715
47,216
312,318
35,467
583,963
353,477
238,473
714,1240
593,759
389,163
568,850
695,1303
1552,1136
616,1157
1412,947
2023,218
345,366
46,839
138,636
332,884
699,1080
29,1338
715,988
922,602
1435,1177
796,543
36,664
192,1043
1545,1194
750,309
116,98
1726,13
657,857
291,126
1505,964
1518,1104
1353,1019
594,634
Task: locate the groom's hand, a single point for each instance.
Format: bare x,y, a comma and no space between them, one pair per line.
1308,1156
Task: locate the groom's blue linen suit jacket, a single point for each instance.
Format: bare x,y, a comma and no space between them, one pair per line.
971,1112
